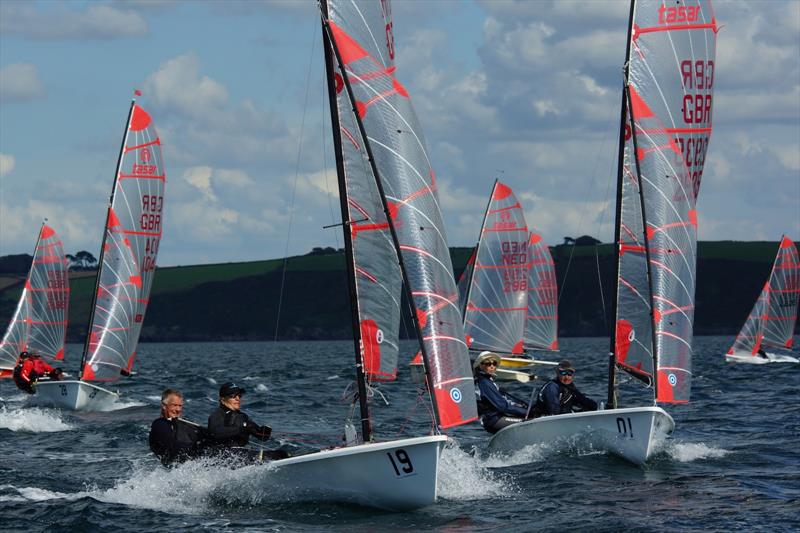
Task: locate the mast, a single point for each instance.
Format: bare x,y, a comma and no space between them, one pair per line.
612,357
105,237
366,432
379,185
477,249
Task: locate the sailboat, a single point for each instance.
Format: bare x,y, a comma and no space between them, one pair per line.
665,127
39,324
771,323
394,238
127,268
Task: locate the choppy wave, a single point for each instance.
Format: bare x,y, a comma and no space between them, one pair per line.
533,453
465,476
10,493
261,388
687,452
34,420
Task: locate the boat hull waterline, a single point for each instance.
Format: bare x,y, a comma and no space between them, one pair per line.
75,395
398,475
631,433
757,360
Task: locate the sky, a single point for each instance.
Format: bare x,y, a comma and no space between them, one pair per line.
524,91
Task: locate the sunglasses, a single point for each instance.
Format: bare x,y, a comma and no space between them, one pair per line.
489,363
566,372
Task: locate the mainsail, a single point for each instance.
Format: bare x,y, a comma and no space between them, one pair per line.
666,128
541,327
496,310
363,41
128,254
772,320
39,324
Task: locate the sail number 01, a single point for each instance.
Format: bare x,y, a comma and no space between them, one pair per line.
625,427
400,462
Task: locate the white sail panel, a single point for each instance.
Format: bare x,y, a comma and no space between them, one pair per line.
496,310
541,326
377,271
128,258
771,322
363,37
39,324
670,84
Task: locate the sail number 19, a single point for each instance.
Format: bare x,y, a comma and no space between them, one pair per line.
401,462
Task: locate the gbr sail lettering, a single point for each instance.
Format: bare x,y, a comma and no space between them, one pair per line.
515,254
697,80
150,222
56,291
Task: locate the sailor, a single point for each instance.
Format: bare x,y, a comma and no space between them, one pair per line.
497,408
173,439
560,395
22,372
230,429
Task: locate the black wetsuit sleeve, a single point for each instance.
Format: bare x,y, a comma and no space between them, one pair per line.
586,403
219,430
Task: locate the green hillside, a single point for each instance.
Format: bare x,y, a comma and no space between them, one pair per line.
239,301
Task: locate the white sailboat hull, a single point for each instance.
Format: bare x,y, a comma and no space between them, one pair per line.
398,475
74,395
746,357
631,433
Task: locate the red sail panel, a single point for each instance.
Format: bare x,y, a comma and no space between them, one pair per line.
362,33
131,243
39,324
496,310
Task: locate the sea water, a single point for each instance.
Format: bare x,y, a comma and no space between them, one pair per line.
732,462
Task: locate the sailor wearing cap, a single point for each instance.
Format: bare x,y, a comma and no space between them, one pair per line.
228,426
497,408
560,395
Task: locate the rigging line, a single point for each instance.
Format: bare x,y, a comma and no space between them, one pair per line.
586,201
296,176
325,161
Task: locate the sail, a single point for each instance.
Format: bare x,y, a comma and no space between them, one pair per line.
128,257
464,280
378,281
541,326
496,310
39,324
670,96
364,45
772,320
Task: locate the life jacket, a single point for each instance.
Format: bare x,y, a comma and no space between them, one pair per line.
484,407
565,398
186,435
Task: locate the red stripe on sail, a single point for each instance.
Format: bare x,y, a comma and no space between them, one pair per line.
143,145
640,108
348,48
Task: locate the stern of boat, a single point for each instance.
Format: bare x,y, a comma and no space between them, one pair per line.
74,395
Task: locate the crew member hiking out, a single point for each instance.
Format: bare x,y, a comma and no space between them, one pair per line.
560,395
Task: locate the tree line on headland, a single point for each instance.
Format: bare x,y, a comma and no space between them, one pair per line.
240,301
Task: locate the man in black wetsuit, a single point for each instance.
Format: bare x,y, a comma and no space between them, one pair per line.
172,438
230,429
560,395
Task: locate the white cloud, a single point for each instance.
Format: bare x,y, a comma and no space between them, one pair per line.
200,179
91,22
7,163
20,82
177,84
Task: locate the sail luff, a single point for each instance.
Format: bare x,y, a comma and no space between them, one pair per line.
366,432
93,308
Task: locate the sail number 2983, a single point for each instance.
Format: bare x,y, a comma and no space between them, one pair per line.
401,462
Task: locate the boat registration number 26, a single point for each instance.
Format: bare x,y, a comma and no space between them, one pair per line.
401,462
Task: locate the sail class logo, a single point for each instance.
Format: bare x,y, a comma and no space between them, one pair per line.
455,395
673,379
669,15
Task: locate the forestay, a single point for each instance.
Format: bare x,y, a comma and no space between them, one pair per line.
541,326
128,256
362,33
378,280
39,324
772,320
670,94
496,310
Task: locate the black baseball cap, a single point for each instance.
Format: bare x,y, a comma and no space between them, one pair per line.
230,389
